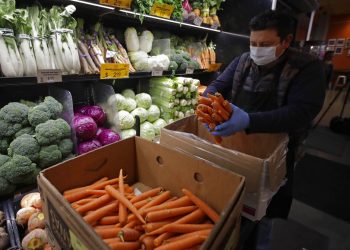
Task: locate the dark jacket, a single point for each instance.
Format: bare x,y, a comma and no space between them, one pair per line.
303,99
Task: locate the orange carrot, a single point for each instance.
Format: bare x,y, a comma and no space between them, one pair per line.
128,189
129,234
83,201
139,228
204,100
181,228
212,126
111,240
147,243
109,220
205,232
157,200
202,120
183,244
220,109
150,227
131,224
148,194
75,206
217,117
168,213
218,139
106,233
123,218
227,106
206,116
106,226
140,204
181,202
94,204
99,213
96,192
124,245
116,194
212,97
214,216
81,188
220,98
205,109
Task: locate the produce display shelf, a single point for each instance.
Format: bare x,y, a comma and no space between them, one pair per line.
19,81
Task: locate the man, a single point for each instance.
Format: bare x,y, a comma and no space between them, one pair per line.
274,88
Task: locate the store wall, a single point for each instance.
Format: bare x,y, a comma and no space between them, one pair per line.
303,24
339,27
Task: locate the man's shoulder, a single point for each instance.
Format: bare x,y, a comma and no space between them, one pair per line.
299,59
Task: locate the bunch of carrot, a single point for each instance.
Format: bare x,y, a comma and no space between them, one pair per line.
213,110
152,220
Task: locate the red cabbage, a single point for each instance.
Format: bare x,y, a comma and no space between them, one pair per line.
82,109
107,136
99,130
95,112
87,146
85,127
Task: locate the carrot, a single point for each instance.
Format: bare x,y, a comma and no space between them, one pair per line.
157,200
202,120
181,202
123,218
181,228
217,117
227,106
94,204
140,204
150,227
99,213
111,240
115,193
212,97
183,244
214,216
83,201
220,109
108,220
106,226
204,100
129,234
218,139
220,98
128,189
124,245
75,206
106,233
145,195
139,228
83,193
168,213
96,192
131,224
212,126
81,188
147,243
205,109
205,232
204,115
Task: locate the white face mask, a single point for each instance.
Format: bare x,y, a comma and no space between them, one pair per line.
263,55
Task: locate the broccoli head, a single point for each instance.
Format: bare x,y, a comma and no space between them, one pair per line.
177,58
66,147
4,144
38,114
8,129
183,66
17,169
26,130
6,187
52,131
30,104
194,64
31,179
54,106
173,65
3,159
25,145
49,155
15,113
185,55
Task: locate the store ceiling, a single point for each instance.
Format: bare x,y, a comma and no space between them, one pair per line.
336,7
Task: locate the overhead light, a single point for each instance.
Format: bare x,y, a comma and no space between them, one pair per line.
93,4
169,20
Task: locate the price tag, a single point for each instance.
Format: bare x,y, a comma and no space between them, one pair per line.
114,71
49,75
198,21
110,54
103,1
123,4
215,26
162,10
189,71
157,72
214,67
76,243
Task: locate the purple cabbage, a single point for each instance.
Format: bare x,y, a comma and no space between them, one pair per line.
107,136
87,146
85,127
95,112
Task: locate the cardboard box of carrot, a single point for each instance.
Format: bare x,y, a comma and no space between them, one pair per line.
136,194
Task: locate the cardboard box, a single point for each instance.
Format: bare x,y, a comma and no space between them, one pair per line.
258,157
143,162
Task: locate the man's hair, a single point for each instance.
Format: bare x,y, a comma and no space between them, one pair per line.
282,23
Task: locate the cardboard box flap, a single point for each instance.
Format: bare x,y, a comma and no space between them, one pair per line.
240,163
160,165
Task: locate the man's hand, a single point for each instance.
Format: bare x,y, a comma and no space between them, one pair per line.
238,121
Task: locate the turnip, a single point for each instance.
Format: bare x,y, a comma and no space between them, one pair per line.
35,240
24,214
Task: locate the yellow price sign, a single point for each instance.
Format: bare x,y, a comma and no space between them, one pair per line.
162,10
214,67
114,71
104,2
123,4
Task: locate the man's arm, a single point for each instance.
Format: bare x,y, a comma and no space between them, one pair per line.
304,101
223,83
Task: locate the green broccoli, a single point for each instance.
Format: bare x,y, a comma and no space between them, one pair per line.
17,169
183,66
64,127
70,156
38,114
51,132
8,129
4,159
173,65
14,113
4,144
54,106
30,104
25,145
6,187
186,56
193,64
49,155
26,130
177,58
66,147
31,179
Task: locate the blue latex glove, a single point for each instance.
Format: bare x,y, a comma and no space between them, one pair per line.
239,121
